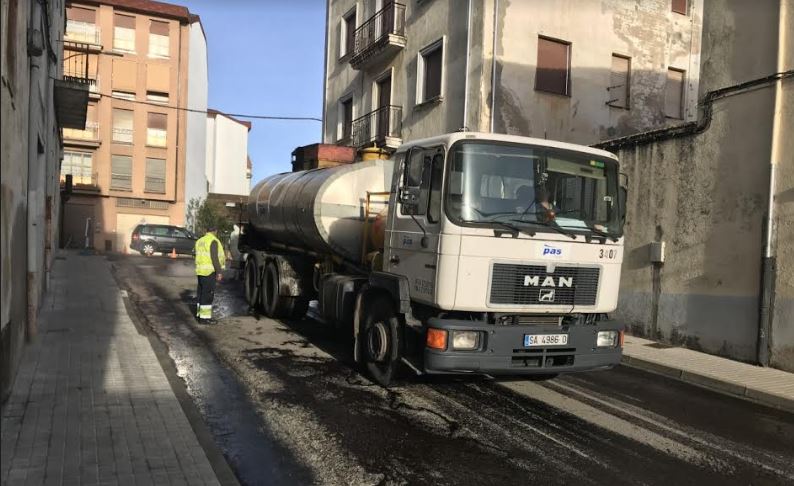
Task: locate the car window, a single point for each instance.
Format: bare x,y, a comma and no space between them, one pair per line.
159,231
178,233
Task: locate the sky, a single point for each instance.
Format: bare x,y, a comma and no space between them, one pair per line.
266,58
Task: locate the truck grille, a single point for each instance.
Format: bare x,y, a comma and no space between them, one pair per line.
532,285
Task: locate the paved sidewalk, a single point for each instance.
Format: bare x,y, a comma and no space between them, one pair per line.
91,403
765,385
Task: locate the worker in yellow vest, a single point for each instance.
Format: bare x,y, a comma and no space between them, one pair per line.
210,261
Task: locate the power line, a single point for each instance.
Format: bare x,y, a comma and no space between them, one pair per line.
193,110
205,112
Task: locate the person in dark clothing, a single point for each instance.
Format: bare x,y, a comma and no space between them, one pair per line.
210,260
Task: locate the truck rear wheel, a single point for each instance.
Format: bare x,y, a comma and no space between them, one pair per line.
379,338
251,282
276,305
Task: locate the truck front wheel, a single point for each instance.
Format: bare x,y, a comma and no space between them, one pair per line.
379,338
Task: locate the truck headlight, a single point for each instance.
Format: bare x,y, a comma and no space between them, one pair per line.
465,340
607,339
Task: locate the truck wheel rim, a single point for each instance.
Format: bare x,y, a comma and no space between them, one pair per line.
378,342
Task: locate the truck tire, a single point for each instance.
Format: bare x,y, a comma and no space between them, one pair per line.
251,283
380,339
276,305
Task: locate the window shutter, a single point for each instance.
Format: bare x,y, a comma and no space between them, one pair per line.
674,90
125,75
155,175
158,77
79,14
553,71
121,172
158,28
124,21
158,121
679,6
619,82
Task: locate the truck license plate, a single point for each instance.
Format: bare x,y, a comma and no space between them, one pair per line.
545,340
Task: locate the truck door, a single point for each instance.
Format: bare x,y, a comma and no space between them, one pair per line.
414,224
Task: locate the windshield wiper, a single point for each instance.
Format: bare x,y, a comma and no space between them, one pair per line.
602,233
555,227
513,228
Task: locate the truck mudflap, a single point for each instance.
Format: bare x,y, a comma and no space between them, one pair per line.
509,350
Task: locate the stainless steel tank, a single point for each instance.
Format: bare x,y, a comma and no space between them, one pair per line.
319,209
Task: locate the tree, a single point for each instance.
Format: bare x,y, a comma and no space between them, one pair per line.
213,214
191,214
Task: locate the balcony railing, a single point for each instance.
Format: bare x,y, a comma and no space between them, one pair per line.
83,180
89,134
383,30
82,32
122,135
381,127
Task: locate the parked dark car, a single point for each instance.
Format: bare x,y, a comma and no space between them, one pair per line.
152,238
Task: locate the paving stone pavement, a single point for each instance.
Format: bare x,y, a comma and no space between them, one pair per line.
91,403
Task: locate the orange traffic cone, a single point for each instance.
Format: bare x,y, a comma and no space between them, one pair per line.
173,253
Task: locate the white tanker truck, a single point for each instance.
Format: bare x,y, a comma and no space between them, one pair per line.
463,253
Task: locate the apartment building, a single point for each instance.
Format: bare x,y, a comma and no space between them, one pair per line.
570,70
128,165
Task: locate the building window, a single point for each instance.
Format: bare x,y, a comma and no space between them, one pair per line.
156,129
123,33
157,97
159,45
674,94
122,125
81,26
121,173
619,82
347,34
679,6
430,72
123,95
79,165
553,73
345,120
155,176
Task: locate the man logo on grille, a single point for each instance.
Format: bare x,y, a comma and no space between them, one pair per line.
546,295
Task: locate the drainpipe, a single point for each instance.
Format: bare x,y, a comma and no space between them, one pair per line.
466,77
493,63
768,261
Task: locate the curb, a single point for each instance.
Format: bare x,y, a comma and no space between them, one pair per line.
714,384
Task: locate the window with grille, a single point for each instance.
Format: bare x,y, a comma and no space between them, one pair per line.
121,173
159,42
674,94
156,129
123,33
79,165
155,176
553,74
122,125
619,82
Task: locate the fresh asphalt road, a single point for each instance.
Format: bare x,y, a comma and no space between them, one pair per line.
286,405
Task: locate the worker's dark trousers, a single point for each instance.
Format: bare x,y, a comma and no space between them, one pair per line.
205,294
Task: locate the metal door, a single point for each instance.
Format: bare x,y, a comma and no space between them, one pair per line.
413,238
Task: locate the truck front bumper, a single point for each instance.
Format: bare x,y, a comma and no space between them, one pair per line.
502,351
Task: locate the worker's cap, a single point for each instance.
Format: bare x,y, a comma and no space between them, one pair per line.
212,228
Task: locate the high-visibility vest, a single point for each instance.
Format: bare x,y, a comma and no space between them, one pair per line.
204,264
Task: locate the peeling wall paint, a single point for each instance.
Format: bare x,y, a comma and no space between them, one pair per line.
30,153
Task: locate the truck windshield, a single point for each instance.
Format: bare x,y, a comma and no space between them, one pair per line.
489,183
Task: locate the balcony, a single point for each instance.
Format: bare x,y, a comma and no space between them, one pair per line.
83,181
83,33
381,35
381,128
87,137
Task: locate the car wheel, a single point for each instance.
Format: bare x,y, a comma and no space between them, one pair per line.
379,338
148,249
